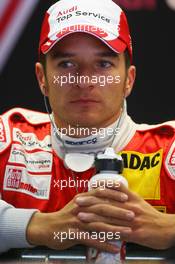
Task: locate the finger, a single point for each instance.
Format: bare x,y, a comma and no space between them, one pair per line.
110,194
123,189
91,200
109,210
90,217
118,231
113,194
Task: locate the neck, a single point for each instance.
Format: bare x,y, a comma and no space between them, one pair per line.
116,135
80,131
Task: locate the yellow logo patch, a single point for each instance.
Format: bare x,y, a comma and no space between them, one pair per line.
161,209
143,172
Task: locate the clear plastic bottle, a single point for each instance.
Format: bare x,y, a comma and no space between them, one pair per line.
109,167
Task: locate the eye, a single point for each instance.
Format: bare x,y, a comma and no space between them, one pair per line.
105,64
66,64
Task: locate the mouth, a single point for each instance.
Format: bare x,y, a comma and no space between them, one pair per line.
84,101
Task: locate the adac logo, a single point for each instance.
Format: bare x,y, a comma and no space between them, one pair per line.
142,170
137,161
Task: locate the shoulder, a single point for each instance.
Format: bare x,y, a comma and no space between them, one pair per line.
163,128
19,117
30,116
164,134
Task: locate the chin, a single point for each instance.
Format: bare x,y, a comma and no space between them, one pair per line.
85,120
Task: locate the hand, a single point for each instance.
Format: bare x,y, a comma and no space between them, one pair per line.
46,228
149,227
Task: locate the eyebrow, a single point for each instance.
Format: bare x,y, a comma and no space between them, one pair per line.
108,54
58,55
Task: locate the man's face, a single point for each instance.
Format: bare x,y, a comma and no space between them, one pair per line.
96,99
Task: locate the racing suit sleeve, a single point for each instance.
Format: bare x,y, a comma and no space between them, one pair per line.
13,225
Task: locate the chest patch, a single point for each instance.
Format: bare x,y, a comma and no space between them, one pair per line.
17,179
143,172
38,161
30,140
170,162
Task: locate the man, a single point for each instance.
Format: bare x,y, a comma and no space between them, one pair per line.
83,40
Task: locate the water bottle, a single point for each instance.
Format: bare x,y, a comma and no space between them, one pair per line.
109,167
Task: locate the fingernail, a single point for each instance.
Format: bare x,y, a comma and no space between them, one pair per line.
82,216
124,197
80,200
130,215
126,230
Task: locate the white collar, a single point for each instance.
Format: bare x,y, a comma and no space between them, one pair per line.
95,144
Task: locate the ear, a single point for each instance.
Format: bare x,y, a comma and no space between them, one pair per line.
42,81
130,79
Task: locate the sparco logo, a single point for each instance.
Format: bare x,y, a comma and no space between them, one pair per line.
84,142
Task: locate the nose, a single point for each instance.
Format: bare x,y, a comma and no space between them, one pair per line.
84,78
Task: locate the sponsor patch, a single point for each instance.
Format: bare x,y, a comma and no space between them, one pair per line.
19,180
38,161
2,131
170,162
143,172
83,142
30,140
5,136
161,209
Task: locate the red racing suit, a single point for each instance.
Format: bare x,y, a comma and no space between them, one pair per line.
31,171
